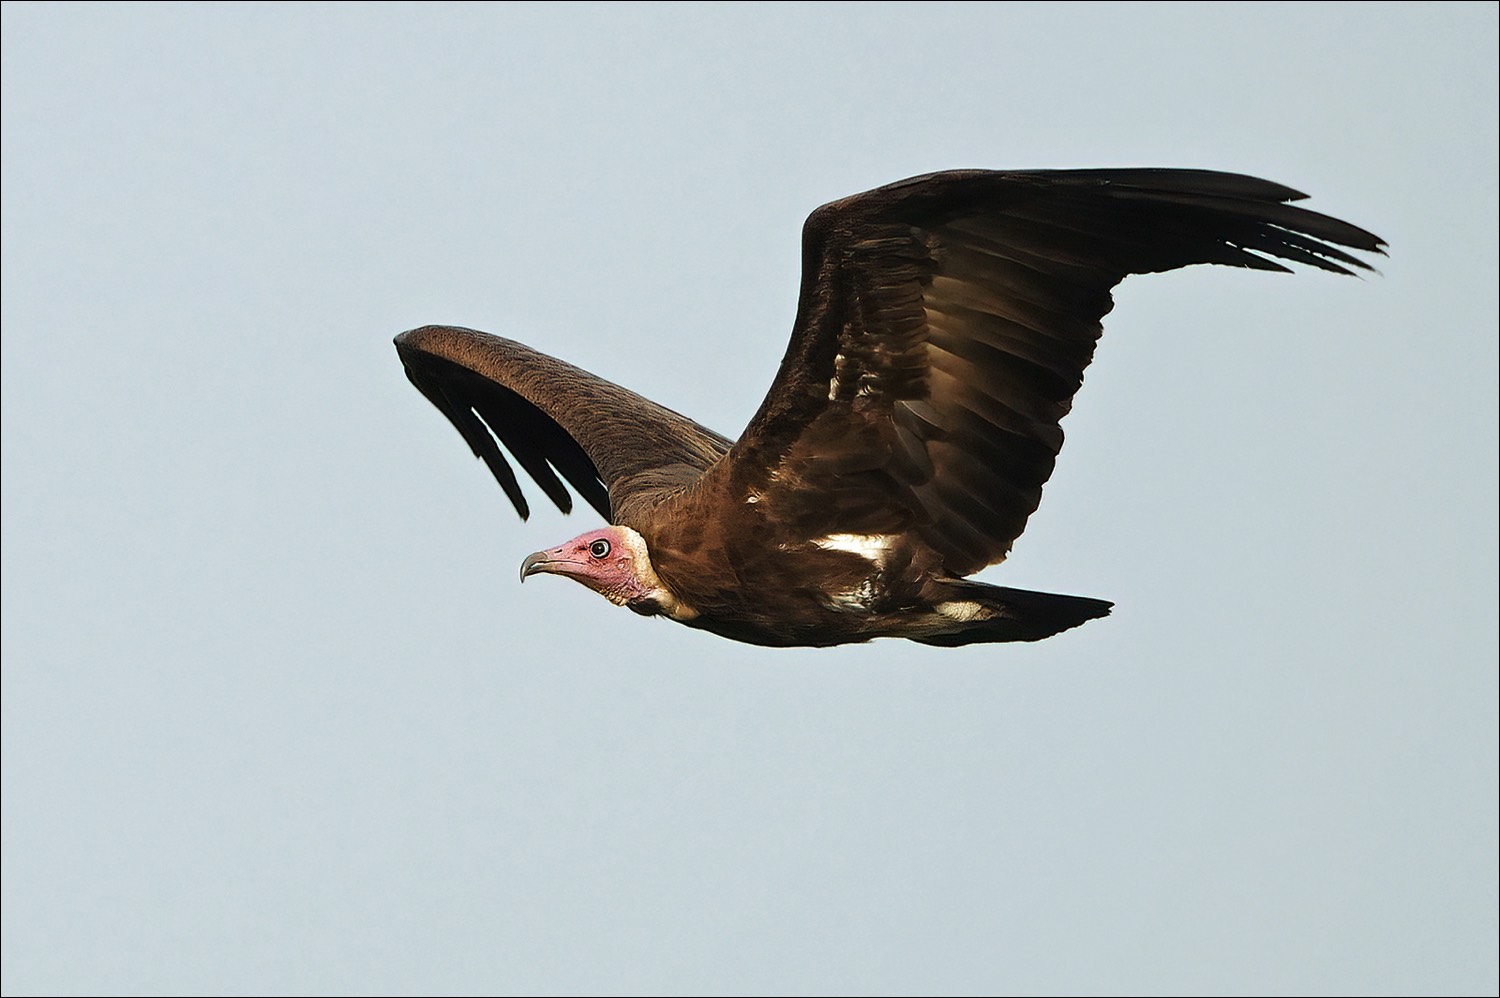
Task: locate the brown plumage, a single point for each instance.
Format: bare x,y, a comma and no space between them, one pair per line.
944,325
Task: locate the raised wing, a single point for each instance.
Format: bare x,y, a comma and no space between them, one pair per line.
620,451
944,326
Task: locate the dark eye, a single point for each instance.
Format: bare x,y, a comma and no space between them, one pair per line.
599,549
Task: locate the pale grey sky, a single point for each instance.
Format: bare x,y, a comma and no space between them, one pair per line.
278,718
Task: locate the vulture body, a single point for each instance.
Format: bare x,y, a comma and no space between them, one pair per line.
943,327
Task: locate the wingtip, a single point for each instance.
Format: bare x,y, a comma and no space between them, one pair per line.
407,339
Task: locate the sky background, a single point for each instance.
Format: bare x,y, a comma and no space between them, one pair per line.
278,718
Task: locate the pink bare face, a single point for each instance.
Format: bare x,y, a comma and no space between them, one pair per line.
605,560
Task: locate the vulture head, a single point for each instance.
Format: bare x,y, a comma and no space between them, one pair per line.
613,562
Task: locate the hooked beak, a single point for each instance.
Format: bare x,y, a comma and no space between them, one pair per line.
548,561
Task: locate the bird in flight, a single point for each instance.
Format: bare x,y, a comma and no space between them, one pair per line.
943,327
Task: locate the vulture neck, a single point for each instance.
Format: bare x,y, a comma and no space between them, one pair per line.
656,598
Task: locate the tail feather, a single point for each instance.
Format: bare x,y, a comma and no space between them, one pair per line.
985,613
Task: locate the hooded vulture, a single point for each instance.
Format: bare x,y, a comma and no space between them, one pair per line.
943,327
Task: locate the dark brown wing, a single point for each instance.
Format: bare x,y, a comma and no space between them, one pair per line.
619,450
944,326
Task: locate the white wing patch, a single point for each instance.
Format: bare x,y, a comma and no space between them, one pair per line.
871,547
874,548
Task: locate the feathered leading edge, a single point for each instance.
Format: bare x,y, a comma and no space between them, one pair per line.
942,331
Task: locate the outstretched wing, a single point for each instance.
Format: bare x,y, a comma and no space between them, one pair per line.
944,326
620,451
